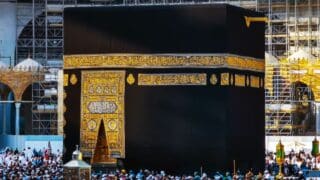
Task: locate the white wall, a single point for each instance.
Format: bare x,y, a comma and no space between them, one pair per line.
41,142
7,31
290,142
37,142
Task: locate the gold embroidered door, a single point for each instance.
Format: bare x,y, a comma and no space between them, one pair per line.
102,115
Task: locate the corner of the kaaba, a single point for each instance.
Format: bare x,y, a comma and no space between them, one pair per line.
176,88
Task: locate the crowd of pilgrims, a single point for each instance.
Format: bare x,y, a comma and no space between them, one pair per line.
42,164
30,164
154,175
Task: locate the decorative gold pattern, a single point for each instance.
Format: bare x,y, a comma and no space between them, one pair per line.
240,80
246,64
65,79
172,79
18,81
102,100
213,79
224,79
92,124
73,79
112,124
254,81
130,79
163,61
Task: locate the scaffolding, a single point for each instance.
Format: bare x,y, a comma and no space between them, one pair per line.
40,37
44,102
292,25
278,99
292,92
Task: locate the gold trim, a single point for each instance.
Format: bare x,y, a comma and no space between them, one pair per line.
224,79
163,61
65,79
213,79
73,79
254,81
240,80
249,20
172,79
130,79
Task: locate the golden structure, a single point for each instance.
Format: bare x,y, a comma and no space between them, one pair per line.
305,71
284,93
102,115
17,81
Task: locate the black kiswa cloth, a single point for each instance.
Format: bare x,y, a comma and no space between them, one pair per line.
163,29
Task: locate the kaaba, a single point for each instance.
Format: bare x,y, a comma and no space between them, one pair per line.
171,87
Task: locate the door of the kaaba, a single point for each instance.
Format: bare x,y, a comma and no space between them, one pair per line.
102,115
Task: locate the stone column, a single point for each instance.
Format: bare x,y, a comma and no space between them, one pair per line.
18,105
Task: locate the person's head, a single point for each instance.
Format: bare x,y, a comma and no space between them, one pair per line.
195,173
